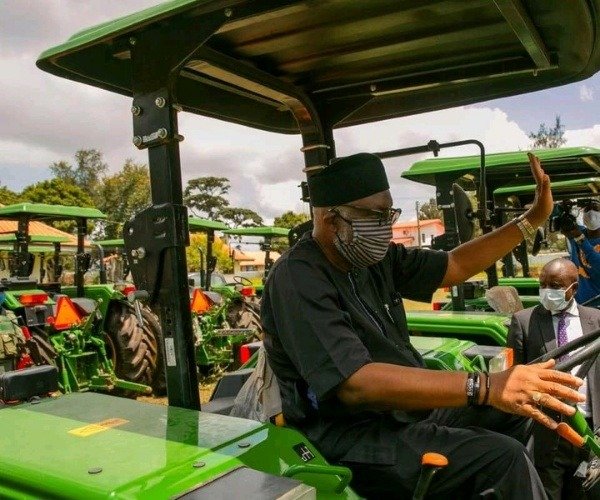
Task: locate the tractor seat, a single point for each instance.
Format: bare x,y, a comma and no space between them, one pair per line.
87,306
504,299
216,298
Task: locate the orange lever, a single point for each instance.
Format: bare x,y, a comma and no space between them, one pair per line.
567,432
434,459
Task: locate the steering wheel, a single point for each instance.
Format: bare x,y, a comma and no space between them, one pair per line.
585,357
577,431
242,280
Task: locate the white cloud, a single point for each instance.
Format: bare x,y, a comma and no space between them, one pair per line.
584,137
491,126
586,93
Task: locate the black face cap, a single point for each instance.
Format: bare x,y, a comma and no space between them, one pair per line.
348,179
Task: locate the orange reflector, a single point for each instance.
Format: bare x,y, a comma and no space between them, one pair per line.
33,299
125,288
245,353
437,306
66,314
200,302
434,459
247,291
567,432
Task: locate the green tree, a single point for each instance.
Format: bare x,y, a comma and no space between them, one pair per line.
86,173
289,219
239,217
58,192
430,210
8,197
220,250
205,196
547,137
121,196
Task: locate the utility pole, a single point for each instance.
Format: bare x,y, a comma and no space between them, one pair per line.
418,223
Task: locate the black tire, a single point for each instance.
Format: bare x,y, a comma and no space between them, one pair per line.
136,350
40,348
246,314
159,380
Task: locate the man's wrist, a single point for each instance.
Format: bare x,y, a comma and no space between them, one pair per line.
526,227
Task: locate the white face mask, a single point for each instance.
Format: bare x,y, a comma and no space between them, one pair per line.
591,219
554,299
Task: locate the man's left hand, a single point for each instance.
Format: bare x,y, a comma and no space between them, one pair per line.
543,202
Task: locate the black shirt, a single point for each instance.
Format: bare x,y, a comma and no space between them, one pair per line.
322,325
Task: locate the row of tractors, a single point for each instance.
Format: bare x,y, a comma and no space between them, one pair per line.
103,337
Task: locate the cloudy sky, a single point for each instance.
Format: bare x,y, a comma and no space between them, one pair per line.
44,119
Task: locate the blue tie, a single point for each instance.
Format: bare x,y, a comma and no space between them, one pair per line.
561,333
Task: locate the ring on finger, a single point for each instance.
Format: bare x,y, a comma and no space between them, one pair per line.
537,397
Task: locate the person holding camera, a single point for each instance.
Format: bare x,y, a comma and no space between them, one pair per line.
585,251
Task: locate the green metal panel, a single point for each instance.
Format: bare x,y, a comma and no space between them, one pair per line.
268,231
40,211
103,292
116,243
101,446
589,184
459,324
360,61
37,238
443,353
521,283
40,249
197,224
425,171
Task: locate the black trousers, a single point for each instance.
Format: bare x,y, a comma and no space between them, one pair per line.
558,477
486,458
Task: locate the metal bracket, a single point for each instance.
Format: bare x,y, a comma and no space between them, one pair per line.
146,236
153,125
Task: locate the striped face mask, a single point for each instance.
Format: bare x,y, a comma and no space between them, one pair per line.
369,243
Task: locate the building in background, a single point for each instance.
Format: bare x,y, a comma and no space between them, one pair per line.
414,233
250,263
36,228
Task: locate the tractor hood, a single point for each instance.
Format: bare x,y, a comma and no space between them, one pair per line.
358,62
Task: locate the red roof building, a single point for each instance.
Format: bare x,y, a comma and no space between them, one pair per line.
409,232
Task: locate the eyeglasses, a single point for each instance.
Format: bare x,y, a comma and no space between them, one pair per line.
385,216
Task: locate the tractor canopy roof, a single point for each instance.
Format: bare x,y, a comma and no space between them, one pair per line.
567,189
116,243
196,224
265,231
503,169
356,62
37,238
41,211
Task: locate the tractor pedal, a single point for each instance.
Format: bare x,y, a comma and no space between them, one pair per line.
229,332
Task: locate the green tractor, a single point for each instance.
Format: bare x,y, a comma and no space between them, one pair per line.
267,233
225,316
508,189
285,67
131,349
63,326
